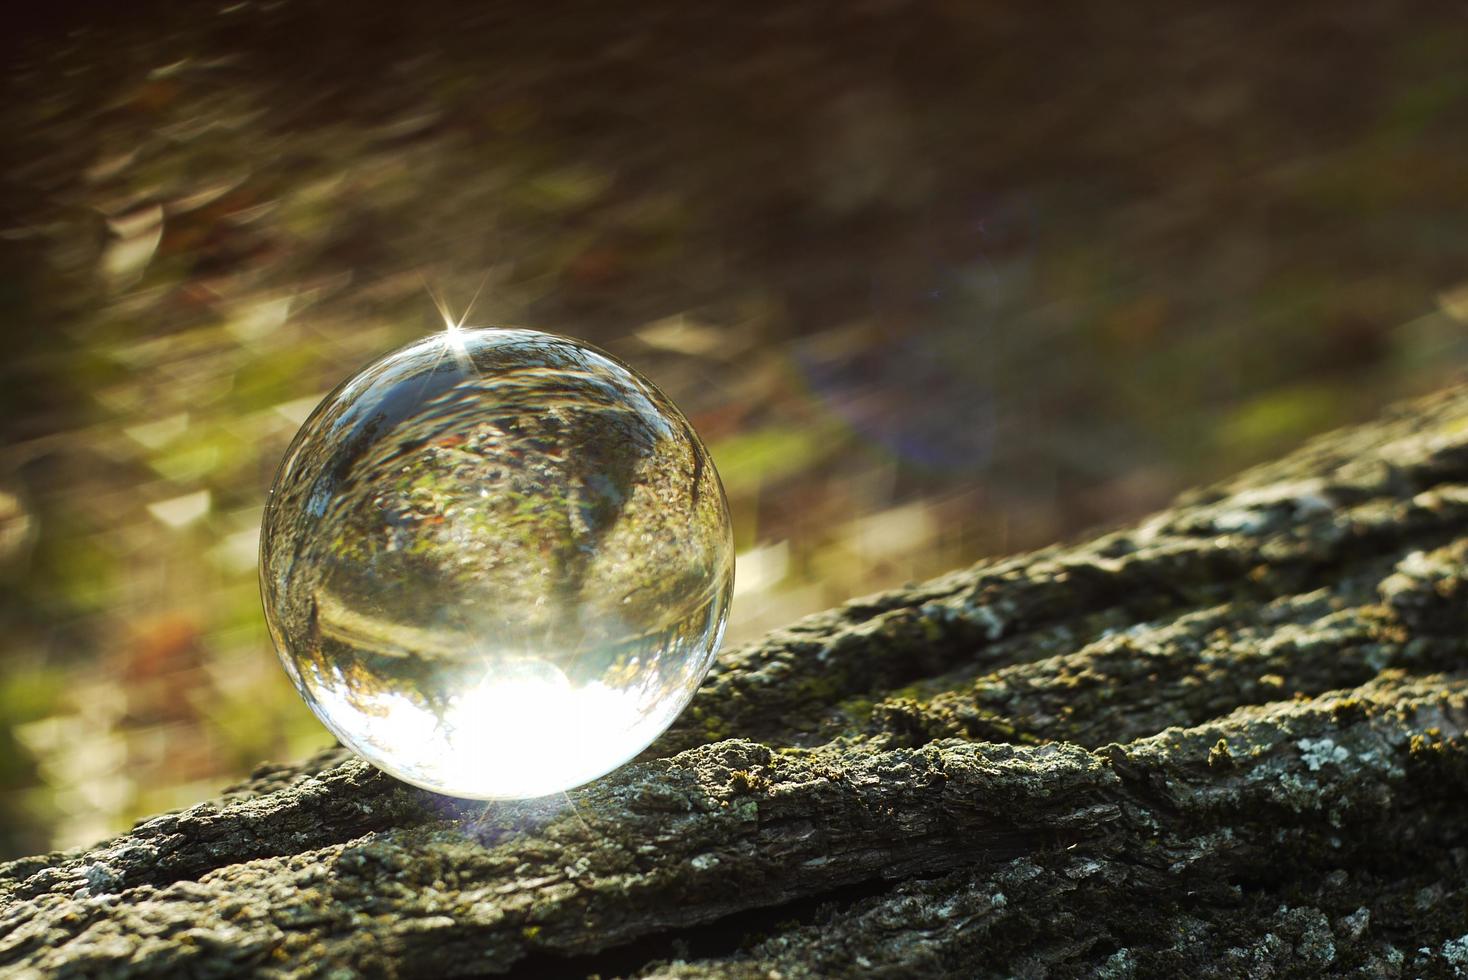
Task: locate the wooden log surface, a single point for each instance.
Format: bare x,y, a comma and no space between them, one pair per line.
1227,741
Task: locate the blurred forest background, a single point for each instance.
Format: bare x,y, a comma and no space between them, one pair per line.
935,281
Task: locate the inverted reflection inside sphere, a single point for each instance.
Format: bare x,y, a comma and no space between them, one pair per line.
496,563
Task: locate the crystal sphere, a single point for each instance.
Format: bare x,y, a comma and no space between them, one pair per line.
496,563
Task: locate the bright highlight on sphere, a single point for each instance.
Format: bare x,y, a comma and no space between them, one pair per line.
496,563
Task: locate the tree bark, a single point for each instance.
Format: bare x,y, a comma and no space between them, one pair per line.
1226,741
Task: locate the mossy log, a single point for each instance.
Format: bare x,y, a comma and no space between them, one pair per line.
1228,741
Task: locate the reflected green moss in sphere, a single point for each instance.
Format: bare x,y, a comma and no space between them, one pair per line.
496,563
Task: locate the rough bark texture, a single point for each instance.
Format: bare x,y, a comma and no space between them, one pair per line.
1228,741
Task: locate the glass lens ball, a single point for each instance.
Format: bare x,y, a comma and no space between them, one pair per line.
496,563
